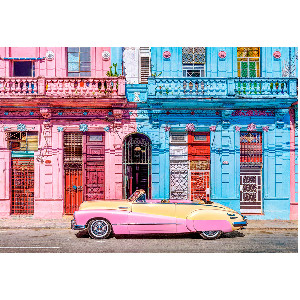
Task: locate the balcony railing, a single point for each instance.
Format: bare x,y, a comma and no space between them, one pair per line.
221,87
63,87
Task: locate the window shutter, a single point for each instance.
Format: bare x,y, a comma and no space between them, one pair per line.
144,70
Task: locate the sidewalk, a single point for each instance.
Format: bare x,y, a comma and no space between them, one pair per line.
65,222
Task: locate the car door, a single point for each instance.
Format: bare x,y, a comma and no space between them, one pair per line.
151,217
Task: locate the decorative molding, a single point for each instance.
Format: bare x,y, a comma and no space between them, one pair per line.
105,55
265,128
251,127
254,112
50,55
21,127
222,55
137,97
277,54
190,127
213,128
83,127
45,112
166,55
225,124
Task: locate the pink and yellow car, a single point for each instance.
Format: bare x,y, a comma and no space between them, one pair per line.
140,216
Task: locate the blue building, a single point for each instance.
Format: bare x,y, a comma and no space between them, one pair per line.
218,124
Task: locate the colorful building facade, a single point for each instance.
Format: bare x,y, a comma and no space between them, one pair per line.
192,123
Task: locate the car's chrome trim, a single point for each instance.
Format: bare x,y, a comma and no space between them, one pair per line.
238,224
79,227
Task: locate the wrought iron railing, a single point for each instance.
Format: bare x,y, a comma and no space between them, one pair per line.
62,87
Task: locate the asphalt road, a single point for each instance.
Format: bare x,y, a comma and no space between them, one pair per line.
69,241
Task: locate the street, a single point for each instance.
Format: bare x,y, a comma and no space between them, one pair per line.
38,240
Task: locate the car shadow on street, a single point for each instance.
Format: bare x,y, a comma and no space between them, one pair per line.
232,234
191,235
82,234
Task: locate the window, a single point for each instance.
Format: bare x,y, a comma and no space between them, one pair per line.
193,61
22,141
144,70
23,69
248,59
79,62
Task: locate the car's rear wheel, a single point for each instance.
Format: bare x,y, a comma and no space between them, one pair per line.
99,229
210,235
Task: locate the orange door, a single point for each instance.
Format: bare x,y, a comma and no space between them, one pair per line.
73,190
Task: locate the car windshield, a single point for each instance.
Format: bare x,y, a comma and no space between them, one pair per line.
137,195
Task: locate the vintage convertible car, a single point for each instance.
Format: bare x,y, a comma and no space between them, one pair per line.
139,216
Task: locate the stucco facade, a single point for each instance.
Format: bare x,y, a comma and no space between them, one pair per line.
102,121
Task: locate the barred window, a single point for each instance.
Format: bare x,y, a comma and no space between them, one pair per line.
193,61
248,59
79,62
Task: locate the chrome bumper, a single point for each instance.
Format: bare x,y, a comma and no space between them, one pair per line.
74,226
239,224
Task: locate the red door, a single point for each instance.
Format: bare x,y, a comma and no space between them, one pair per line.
73,171
73,189
22,186
199,165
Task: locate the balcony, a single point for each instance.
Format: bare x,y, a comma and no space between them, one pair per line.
222,87
16,87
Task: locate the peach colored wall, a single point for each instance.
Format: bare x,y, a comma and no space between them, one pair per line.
52,68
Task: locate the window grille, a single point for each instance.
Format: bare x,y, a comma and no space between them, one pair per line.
145,60
178,138
22,141
79,62
72,149
193,61
248,59
22,186
251,148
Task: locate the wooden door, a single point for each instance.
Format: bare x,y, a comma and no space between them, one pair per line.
94,167
73,189
73,171
199,165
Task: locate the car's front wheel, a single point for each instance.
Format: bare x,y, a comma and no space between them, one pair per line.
99,229
210,235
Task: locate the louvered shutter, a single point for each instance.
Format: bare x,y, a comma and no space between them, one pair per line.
144,70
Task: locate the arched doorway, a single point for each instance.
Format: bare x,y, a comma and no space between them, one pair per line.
136,164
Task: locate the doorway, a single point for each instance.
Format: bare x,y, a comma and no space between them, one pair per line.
136,164
251,164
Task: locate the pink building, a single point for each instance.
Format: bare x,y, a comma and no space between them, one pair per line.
62,126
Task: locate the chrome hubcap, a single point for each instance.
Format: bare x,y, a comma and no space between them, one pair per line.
211,233
99,228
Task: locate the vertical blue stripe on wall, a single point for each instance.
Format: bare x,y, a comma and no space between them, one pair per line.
117,57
